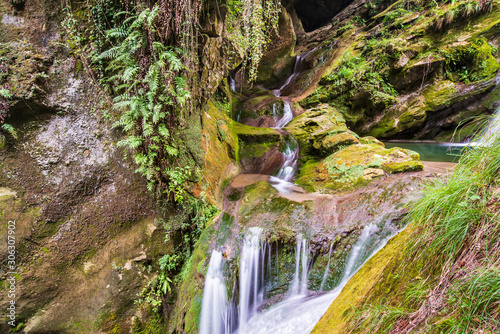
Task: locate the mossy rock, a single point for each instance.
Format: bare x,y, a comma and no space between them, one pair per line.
255,107
255,135
356,165
321,131
370,140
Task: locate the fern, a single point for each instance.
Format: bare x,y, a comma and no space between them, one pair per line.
9,129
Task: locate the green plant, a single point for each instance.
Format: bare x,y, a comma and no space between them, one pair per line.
259,19
355,74
457,227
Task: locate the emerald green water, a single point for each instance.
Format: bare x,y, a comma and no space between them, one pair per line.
432,151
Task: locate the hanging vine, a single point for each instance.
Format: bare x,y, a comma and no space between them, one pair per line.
251,23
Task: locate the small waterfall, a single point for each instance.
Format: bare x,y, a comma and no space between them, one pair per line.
305,266
327,269
287,116
214,310
250,289
358,253
232,84
300,315
282,180
300,279
288,168
298,68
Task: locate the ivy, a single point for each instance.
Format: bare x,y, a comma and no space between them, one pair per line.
259,19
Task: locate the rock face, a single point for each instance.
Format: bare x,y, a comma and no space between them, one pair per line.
407,74
87,227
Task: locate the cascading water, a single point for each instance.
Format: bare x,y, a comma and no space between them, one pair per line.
300,279
287,116
218,315
301,309
299,314
214,310
232,84
298,68
250,287
282,180
327,269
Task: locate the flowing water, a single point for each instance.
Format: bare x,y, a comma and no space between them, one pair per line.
282,180
287,116
301,308
327,270
298,68
299,313
250,280
214,310
232,84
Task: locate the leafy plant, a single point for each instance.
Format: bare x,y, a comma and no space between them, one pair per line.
259,19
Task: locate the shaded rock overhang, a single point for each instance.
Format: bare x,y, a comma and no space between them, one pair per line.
316,13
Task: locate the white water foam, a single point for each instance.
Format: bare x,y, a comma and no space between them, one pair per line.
214,310
250,289
299,314
287,116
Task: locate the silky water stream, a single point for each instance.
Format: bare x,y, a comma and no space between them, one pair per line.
300,309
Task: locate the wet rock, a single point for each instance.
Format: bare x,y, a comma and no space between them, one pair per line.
353,166
321,131
277,59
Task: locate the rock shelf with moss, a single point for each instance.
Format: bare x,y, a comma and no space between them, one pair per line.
355,166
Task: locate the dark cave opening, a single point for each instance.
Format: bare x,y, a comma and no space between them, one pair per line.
316,13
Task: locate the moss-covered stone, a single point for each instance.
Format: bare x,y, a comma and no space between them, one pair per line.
357,164
355,293
321,131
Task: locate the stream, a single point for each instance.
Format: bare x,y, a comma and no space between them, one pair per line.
300,308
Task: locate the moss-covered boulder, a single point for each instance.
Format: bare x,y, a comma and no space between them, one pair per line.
321,131
357,165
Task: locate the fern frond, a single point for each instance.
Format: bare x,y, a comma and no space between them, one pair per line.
163,131
10,130
132,142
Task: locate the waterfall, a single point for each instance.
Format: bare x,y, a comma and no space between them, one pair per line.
288,168
300,314
300,278
282,181
358,252
287,116
214,310
232,84
298,67
327,269
250,294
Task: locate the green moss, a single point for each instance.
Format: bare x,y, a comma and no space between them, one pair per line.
255,150
187,307
381,129
439,94
359,287
356,165
401,167
305,177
